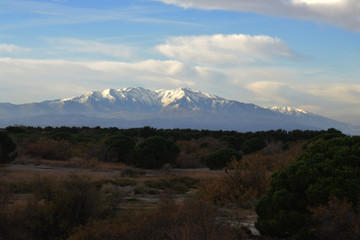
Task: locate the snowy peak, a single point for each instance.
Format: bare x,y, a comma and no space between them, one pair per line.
113,96
177,108
289,110
161,98
139,95
168,97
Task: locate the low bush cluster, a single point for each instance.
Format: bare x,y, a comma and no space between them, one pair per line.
79,208
58,207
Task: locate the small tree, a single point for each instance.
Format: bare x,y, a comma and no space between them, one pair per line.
252,145
119,148
221,158
327,168
7,148
154,152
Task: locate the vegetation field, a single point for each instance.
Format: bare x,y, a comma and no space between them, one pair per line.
146,183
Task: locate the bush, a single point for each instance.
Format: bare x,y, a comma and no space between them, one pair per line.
338,220
221,158
191,219
252,145
190,154
232,142
48,148
327,168
58,208
245,183
119,148
154,152
7,148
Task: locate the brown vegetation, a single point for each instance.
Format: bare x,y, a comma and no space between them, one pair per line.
191,220
45,148
338,220
194,150
248,179
80,208
115,200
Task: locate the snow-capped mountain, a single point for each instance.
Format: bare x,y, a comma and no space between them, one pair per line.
179,108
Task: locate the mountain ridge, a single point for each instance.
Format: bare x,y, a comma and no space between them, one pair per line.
177,108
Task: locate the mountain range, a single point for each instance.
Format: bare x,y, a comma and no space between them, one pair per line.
179,108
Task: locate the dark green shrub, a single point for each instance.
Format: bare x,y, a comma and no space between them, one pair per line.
327,168
119,148
154,152
7,148
232,142
252,145
65,136
221,158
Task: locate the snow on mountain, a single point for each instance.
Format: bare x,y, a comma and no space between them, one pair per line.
289,110
172,97
178,108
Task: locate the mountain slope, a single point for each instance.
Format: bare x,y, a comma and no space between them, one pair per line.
179,108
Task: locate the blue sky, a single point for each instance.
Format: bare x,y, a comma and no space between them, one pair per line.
298,53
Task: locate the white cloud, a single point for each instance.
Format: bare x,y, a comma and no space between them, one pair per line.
337,93
342,13
225,49
13,49
88,46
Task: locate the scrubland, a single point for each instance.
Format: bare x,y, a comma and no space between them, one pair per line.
86,183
